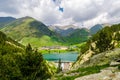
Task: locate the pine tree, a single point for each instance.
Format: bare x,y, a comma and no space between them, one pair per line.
104,39
28,49
59,66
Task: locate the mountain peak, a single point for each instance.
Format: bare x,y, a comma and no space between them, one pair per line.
26,18
96,28
28,30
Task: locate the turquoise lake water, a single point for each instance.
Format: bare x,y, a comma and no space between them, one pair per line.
69,56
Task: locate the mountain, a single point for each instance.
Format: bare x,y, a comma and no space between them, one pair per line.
63,30
95,28
28,30
99,49
66,32
77,36
74,35
6,20
55,27
71,34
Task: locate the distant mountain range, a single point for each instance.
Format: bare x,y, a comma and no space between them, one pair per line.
96,28
55,27
5,20
28,30
66,30
74,35
77,36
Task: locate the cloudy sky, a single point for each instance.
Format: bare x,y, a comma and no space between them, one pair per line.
84,13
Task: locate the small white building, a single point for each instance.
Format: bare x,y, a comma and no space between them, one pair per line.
64,65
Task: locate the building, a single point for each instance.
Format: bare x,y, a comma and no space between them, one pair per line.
65,65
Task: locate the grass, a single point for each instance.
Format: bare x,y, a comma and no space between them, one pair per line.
37,42
53,51
83,72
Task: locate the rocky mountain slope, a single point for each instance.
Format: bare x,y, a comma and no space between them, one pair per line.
99,57
105,74
106,39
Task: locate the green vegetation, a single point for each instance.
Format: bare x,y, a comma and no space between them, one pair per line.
75,48
53,51
78,36
28,30
82,72
5,20
84,47
43,41
105,39
98,48
59,69
20,63
7,45
119,67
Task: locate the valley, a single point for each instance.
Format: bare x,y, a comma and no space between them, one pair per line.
28,30
61,54
60,40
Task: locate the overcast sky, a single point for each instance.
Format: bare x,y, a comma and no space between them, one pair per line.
84,13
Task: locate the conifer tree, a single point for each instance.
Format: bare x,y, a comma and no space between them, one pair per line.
28,49
59,66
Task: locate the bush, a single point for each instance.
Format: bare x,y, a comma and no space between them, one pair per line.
119,67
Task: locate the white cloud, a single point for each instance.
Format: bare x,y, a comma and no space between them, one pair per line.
84,13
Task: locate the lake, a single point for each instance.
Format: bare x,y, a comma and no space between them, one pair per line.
65,57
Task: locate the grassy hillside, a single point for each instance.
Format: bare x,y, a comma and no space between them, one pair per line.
78,36
43,41
28,30
20,63
8,45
